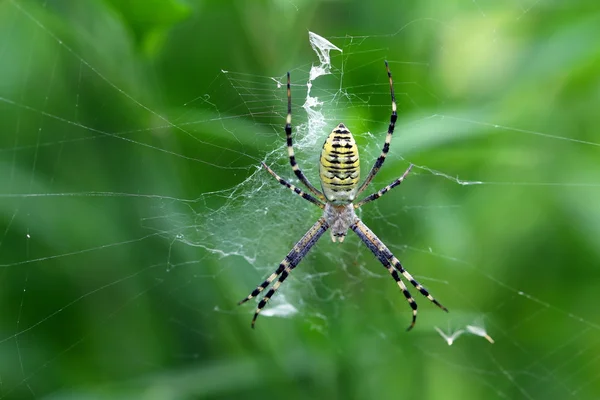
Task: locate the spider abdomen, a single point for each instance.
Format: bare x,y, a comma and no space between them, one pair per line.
339,169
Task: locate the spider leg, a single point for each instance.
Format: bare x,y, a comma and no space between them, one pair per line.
393,265
284,264
293,188
388,138
290,146
290,262
386,263
290,259
383,191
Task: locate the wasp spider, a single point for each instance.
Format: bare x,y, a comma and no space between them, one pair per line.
339,174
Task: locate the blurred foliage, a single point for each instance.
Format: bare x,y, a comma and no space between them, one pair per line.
508,93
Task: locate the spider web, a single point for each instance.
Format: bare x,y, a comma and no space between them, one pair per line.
134,220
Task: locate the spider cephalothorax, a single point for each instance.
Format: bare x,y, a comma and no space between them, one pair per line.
340,219
339,173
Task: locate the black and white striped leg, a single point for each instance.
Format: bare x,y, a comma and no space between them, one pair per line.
364,236
385,256
293,188
383,191
388,138
263,302
290,259
284,264
298,252
396,263
290,146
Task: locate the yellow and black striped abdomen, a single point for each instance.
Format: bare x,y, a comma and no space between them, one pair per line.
340,166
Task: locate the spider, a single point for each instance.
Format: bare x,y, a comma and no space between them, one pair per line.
339,175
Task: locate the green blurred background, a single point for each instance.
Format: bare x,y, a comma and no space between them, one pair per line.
134,215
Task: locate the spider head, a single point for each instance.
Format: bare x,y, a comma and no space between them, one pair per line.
337,237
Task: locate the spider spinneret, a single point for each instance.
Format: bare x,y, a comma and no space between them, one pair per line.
339,173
